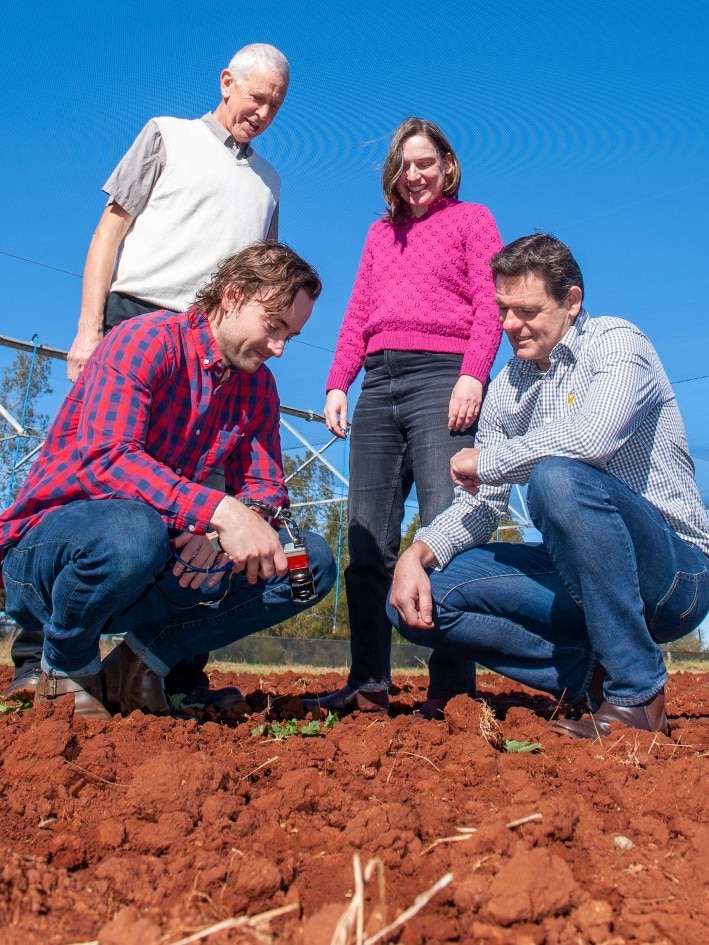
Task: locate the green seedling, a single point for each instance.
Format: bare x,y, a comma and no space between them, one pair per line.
281,730
14,705
511,745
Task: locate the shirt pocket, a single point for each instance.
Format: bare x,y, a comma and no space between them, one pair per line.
224,444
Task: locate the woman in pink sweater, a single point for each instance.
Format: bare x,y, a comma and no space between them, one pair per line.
423,322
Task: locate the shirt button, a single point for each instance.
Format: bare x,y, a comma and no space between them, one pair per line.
179,470
197,432
190,528
206,362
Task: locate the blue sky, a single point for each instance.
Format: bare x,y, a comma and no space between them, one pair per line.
590,121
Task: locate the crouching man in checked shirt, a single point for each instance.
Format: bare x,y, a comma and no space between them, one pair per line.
584,414
119,489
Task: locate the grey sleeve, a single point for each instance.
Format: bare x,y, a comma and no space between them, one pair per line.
273,225
135,175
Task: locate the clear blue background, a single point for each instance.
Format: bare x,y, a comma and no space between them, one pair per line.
590,121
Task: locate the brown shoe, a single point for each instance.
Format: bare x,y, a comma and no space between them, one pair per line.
347,700
23,687
131,685
649,717
86,690
591,701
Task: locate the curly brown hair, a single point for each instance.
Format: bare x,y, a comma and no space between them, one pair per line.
268,271
394,164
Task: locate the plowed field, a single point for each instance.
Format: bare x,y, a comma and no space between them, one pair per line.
139,831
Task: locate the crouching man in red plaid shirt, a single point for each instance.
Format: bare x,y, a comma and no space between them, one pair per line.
115,531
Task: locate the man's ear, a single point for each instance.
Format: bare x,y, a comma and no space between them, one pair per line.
230,298
226,83
574,300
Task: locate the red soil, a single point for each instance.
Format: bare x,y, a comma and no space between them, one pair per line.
139,831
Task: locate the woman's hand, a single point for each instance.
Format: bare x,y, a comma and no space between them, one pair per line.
466,400
336,412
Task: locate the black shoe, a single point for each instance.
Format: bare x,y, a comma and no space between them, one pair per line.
86,691
348,699
131,685
229,697
649,717
187,675
23,687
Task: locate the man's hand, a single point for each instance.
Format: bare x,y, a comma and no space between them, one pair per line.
198,552
466,400
249,541
98,269
464,470
81,348
411,587
336,412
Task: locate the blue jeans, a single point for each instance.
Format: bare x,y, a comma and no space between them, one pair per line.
98,567
609,583
399,437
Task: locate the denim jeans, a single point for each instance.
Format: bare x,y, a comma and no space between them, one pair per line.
28,642
98,567
610,581
399,437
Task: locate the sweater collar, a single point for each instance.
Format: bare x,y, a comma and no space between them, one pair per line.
442,203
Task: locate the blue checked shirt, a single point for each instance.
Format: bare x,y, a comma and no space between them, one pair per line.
153,413
605,401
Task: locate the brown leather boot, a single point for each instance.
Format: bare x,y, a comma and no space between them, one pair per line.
650,717
86,691
131,685
24,686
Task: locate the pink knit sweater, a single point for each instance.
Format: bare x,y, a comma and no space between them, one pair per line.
424,285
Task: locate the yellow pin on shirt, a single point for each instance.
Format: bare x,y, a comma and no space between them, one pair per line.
571,398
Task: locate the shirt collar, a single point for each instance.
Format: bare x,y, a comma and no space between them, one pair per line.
208,352
565,350
571,342
241,151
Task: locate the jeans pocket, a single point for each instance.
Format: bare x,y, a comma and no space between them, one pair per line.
682,608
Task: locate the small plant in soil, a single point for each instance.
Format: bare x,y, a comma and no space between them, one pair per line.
8,706
281,730
512,745
492,733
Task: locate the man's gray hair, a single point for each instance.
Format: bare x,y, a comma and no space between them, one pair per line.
258,56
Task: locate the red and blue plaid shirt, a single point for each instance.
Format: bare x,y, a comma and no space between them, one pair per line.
153,413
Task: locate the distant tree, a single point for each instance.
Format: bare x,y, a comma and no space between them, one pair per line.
407,539
692,643
16,400
507,530
318,501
